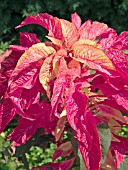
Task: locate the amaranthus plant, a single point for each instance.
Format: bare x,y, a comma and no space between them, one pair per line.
76,82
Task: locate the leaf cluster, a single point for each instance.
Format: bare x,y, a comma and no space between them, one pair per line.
12,13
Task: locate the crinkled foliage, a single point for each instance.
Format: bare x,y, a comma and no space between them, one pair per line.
75,82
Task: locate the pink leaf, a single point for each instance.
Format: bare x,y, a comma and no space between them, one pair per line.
28,39
122,98
107,39
76,20
119,158
121,41
57,94
26,128
92,30
120,61
52,24
79,118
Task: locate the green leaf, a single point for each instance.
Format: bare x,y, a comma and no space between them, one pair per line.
82,165
124,164
105,140
11,166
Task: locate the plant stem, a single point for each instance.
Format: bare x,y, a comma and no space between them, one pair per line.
25,162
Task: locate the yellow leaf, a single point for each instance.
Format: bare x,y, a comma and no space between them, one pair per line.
87,42
55,41
114,126
65,147
70,33
92,56
45,74
56,60
75,67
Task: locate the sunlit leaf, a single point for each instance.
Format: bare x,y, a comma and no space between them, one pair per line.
93,57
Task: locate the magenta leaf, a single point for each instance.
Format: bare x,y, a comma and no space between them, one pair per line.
49,22
28,39
7,113
121,145
26,128
107,39
57,94
121,41
65,165
120,61
87,136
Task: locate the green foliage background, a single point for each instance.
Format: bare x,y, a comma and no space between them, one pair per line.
12,12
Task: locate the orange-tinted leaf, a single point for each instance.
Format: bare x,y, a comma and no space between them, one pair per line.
45,74
111,112
55,41
63,150
60,127
56,60
87,42
110,163
114,126
93,57
69,32
37,53
75,67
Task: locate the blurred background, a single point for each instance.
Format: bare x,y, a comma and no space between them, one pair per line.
12,12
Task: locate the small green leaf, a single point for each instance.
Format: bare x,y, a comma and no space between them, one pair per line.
11,166
124,164
82,165
105,140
